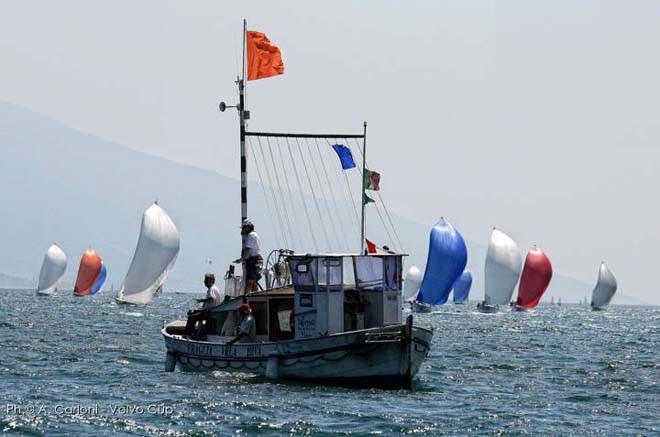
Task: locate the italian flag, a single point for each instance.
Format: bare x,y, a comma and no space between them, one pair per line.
371,180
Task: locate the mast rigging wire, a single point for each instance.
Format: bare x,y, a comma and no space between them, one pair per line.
302,196
279,188
318,210
270,184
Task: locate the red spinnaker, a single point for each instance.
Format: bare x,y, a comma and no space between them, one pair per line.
535,278
90,268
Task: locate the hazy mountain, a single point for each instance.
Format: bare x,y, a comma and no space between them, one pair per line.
60,185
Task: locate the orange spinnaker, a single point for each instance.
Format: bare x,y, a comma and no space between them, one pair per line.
263,58
90,266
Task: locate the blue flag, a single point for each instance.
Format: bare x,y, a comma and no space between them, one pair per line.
345,156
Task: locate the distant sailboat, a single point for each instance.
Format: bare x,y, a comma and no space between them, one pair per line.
52,269
535,278
91,274
411,283
604,290
446,260
502,270
462,287
155,254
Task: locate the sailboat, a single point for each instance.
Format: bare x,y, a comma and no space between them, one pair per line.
91,274
534,281
446,260
52,269
502,271
604,289
337,321
411,283
462,287
154,257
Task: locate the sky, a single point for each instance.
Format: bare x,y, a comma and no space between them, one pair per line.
540,118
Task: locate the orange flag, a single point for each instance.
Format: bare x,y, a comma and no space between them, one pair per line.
263,58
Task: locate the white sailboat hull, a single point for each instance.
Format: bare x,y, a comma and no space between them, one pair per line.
387,357
51,291
420,307
488,308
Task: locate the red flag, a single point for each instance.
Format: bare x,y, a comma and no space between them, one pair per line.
263,58
372,248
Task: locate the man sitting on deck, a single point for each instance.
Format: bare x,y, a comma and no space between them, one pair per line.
213,295
247,331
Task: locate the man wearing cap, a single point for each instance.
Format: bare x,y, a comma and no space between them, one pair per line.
247,331
251,256
213,295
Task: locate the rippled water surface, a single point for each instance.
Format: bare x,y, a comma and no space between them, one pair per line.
86,365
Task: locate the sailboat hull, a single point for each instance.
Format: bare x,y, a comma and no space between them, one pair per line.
519,308
48,292
421,307
488,308
386,357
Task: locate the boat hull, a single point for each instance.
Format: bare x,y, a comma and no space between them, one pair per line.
519,308
488,308
420,307
387,357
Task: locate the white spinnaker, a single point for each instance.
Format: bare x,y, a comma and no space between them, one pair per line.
604,289
503,265
155,254
52,270
411,283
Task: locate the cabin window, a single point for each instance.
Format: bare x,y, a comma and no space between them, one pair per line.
369,271
223,323
303,273
281,319
306,300
348,272
330,272
392,273
260,314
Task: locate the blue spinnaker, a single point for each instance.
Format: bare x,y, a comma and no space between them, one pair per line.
445,262
462,287
99,281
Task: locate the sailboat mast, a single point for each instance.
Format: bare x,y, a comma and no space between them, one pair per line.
362,193
242,113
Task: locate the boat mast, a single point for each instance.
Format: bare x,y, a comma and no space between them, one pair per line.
362,190
242,117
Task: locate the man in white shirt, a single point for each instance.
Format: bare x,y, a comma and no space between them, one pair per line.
213,295
250,256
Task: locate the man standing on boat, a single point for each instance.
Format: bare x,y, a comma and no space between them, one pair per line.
250,256
247,331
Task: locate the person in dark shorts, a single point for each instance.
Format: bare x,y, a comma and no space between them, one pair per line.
250,256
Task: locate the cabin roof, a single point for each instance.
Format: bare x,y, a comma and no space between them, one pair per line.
341,255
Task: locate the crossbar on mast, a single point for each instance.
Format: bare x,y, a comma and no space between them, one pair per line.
288,135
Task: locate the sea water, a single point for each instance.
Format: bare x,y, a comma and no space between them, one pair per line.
89,366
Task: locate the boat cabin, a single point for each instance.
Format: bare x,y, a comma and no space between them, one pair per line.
331,293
